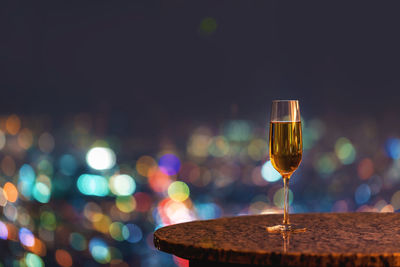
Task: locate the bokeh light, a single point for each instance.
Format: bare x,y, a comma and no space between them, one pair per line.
208,211
326,164
135,234
238,130
33,260
257,149
219,147
99,250
63,190
269,173
100,158
3,198
122,185
393,148
41,192
126,203
2,139
144,164
26,237
63,258
3,231
25,138
8,166
11,212
362,194
178,191
116,231
159,181
46,142
279,197
208,25
94,185
10,192
169,164
198,143
13,124
48,220
68,164
345,150
77,241
365,168
26,180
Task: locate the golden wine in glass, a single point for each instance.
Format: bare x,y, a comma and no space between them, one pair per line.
285,150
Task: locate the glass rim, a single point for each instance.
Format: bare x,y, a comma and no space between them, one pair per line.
285,100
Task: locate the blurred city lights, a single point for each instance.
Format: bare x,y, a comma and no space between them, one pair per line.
99,250
326,164
219,147
158,180
238,130
3,231
198,143
208,26
3,198
144,164
63,258
143,201
178,191
13,124
395,200
208,211
134,233
8,166
32,260
48,220
365,168
41,192
393,148
46,142
269,173
10,192
109,216
26,237
2,139
68,164
169,164
122,185
362,194
77,241
279,197
91,184
100,158
26,180
257,149
116,231
25,138
345,151
126,203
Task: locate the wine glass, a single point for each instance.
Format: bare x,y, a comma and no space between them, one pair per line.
285,150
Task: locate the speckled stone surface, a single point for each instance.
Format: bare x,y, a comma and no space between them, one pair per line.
331,239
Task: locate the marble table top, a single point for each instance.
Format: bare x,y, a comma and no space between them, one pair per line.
331,239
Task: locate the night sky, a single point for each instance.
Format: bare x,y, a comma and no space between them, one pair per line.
155,61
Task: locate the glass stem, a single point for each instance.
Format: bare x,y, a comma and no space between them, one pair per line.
286,200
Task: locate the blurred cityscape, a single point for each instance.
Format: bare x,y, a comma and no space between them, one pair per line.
73,197
121,117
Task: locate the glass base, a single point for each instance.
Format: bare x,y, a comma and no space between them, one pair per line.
282,228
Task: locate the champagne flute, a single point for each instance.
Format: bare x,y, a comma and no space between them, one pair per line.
285,150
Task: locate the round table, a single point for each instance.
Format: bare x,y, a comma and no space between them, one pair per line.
331,239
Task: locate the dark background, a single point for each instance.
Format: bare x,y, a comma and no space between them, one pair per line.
150,58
